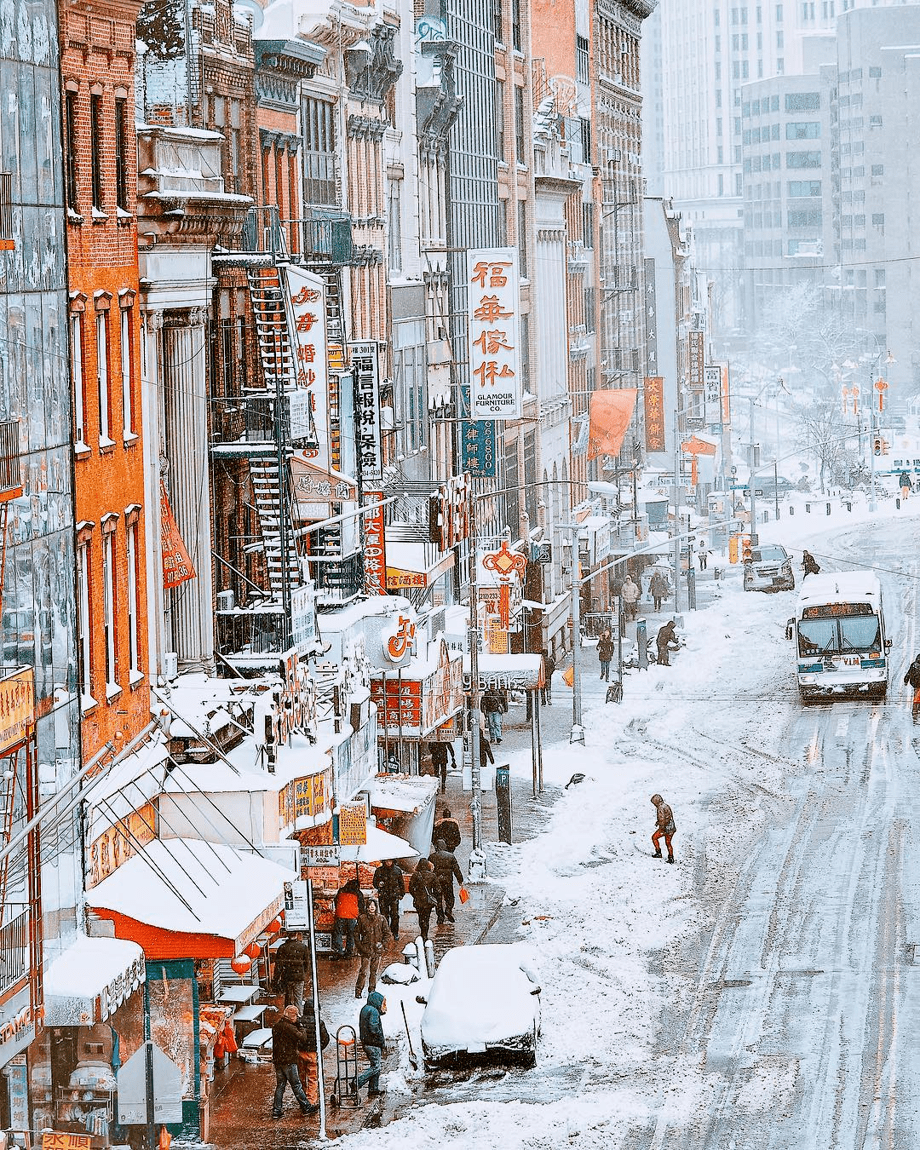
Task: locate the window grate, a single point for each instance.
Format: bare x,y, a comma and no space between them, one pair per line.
6,210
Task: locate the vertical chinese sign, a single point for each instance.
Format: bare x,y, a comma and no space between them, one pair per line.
696,360
375,551
308,396
712,395
495,360
654,413
367,410
177,566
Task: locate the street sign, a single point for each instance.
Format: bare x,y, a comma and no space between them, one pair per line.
738,487
320,856
132,1088
758,491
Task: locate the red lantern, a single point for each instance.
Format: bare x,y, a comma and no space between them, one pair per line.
253,950
241,963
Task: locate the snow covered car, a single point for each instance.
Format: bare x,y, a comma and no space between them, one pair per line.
482,1000
769,569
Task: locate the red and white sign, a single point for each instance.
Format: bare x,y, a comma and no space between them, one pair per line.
375,545
308,321
177,566
496,390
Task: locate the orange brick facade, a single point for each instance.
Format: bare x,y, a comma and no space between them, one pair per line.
97,67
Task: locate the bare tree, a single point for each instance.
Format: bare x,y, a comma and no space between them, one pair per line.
824,433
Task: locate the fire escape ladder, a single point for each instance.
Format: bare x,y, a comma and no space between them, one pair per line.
10,768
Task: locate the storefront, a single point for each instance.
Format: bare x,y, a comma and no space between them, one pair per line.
521,678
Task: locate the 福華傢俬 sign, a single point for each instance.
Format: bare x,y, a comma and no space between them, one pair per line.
496,390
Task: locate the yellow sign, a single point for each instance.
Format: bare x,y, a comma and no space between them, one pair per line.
60,1140
352,824
17,707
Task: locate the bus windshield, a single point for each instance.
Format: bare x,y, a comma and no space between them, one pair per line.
837,636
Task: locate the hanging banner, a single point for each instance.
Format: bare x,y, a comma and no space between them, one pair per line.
696,357
654,413
610,414
495,361
375,545
364,362
307,301
712,395
477,444
17,707
177,566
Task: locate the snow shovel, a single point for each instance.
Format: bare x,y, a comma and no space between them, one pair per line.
413,1061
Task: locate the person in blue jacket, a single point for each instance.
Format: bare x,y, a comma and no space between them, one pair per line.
370,1031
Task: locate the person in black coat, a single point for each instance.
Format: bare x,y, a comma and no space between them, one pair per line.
370,1031
288,1039
390,886
446,869
549,667
291,960
666,641
448,829
423,887
441,755
913,678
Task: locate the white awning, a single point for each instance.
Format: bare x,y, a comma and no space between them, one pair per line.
507,672
380,845
91,979
408,793
189,886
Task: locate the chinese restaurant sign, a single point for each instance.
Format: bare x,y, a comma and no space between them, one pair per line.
308,318
654,413
17,707
495,359
696,358
375,547
712,395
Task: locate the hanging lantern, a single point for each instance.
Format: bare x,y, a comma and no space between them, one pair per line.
241,963
274,926
253,950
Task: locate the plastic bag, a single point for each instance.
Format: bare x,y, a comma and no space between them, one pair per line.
568,676
464,895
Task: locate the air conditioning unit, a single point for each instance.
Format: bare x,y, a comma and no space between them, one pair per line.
170,665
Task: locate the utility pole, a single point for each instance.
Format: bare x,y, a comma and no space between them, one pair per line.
871,441
752,482
476,765
676,557
577,734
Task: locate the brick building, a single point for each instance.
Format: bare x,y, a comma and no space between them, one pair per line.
97,68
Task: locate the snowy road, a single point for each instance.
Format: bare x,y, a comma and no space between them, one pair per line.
762,993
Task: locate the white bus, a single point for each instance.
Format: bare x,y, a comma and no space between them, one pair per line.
839,631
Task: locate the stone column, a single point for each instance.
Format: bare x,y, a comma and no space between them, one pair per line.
154,447
185,389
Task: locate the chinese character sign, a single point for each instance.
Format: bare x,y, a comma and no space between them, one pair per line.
495,357
375,545
367,409
478,449
177,566
695,360
712,395
308,322
654,413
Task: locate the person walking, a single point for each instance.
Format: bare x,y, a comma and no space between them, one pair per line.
658,588
905,483
423,887
703,558
446,869
664,827
371,934
485,751
913,678
494,705
287,1040
370,1031
809,564
630,593
307,1058
448,829
605,653
441,753
349,904
390,887
549,667
291,961
666,641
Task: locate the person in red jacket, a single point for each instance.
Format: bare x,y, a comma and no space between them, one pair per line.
664,826
349,904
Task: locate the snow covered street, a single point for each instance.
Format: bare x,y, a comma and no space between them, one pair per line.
760,993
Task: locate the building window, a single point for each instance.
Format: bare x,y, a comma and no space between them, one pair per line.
79,390
127,372
394,225
799,131
586,141
70,149
582,60
590,309
84,631
522,238
133,604
108,611
803,159
587,224
808,217
500,120
95,125
803,101
804,188
102,378
319,153
121,155
519,151
516,39
498,27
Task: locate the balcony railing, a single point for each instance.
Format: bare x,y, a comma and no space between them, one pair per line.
14,950
326,234
245,419
10,478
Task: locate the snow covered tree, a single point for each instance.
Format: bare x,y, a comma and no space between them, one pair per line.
161,26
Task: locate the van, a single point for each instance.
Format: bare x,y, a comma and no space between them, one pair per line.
769,569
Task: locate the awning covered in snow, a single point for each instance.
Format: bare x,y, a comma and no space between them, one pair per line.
507,672
91,979
186,898
380,845
407,793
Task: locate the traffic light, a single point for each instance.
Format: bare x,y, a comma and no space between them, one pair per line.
746,545
877,445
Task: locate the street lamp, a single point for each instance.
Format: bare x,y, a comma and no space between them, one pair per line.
874,386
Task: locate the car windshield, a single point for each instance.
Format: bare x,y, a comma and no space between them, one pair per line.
834,636
769,555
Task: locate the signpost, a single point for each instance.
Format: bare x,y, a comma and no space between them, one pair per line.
149,1090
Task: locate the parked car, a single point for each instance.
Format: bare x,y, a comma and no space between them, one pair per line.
771,487
482,1000
769,569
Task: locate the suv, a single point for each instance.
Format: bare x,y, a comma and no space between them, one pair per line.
769,569
770,487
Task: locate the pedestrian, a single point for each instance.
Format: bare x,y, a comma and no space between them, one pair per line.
658,588
423,887
307,1058
666,641
905,483
448,829
913,677
440,754
390,887
287,1040
485,751
370,1031
291,960
494,705
664,826
446,869
349,904
605,653
549,666
371,934
809,564
629,593
703,558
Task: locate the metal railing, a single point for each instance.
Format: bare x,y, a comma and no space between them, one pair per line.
243,419
326,234
14,950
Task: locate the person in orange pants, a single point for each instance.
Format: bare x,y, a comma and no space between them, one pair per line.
308,1059
664,827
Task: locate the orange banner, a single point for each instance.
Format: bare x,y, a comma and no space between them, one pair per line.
654,413
610,414
177,566
17,707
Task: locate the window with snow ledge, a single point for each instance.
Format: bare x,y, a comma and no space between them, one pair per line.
87,702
